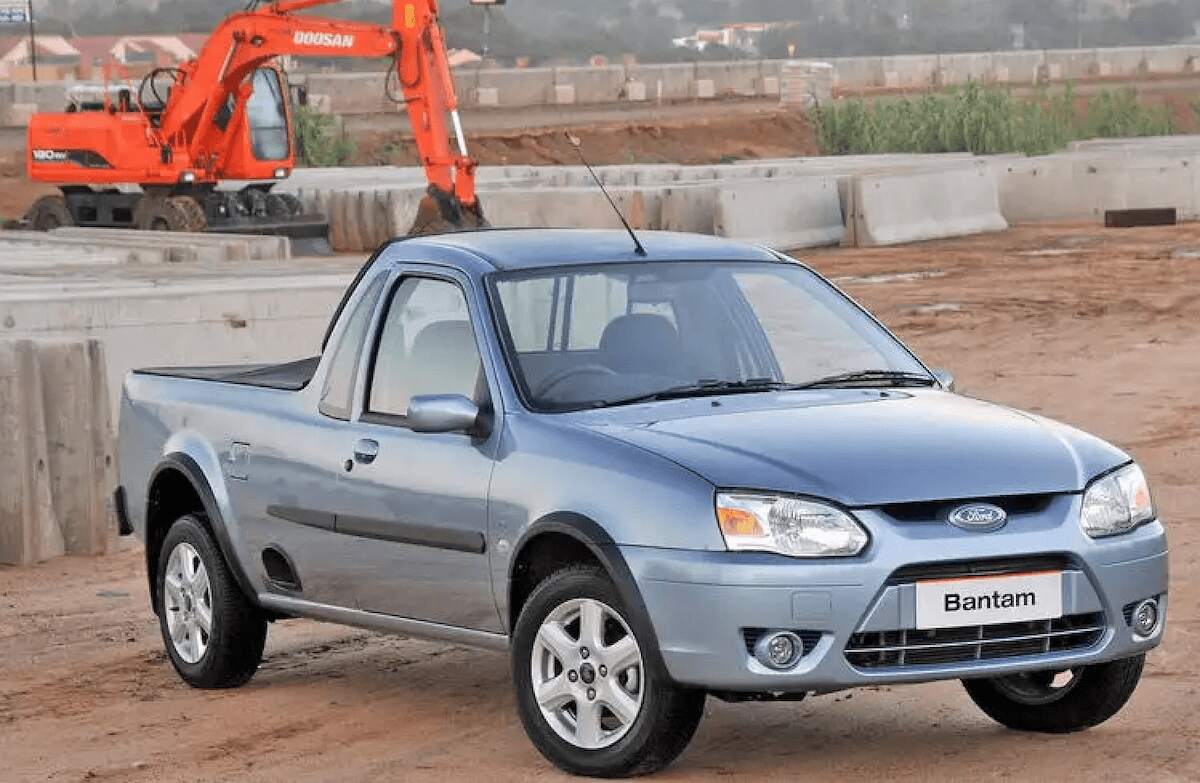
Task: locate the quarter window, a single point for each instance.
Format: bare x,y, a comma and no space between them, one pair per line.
338,393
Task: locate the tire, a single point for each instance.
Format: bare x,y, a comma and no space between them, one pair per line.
665,718
1093,695
281,206
227,656
189,215
175,213
49,213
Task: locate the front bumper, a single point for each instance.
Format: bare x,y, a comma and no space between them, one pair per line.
702,603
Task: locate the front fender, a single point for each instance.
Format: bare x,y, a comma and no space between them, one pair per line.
592,535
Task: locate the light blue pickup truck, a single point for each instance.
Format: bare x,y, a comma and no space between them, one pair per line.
650,476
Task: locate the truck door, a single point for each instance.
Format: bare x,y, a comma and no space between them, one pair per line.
414,506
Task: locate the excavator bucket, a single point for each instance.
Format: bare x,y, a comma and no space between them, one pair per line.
442,213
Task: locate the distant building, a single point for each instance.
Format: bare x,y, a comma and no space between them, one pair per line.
86,57
745,37
54,53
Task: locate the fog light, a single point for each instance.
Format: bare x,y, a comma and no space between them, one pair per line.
779,650
187,177
281,173
1145,618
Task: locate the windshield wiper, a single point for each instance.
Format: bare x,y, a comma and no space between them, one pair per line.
889,377
704,389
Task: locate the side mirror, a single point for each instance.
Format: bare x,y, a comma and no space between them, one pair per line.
945,378
441,413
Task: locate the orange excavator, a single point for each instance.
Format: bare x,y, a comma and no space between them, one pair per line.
154,157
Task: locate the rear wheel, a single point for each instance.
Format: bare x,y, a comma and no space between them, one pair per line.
174,213
281,206
588,693
213,635
1058,702
49,213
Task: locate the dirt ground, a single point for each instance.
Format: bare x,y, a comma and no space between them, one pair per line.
692,140
1093,327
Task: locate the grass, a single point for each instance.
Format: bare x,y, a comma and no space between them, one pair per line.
319,140
984,121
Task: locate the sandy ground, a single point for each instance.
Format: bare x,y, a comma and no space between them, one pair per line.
1096,328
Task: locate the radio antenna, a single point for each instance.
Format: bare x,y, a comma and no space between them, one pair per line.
577,143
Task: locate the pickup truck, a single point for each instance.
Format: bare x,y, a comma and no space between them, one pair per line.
650,475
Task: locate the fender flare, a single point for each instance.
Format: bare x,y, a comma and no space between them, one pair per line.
191,470
592,535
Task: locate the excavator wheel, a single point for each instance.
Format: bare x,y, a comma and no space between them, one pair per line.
442,213
49,213
281,206
175,213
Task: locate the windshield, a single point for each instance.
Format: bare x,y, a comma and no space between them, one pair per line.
268,117
585,337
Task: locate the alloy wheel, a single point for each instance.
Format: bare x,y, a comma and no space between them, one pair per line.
187,601
588,675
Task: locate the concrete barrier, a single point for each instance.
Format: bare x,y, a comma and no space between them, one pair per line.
56,449
890,209
784,214
1082,186
29,530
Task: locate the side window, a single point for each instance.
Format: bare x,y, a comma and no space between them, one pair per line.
426,346
336,397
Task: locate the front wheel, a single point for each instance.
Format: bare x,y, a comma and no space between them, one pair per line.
213,635
1058,702
591,699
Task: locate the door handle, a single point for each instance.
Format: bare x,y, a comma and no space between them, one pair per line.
365,451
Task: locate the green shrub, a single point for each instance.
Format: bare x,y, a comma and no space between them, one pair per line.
318,140
983,121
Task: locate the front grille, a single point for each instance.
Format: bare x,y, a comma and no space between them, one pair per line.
939,510
966,568
909,648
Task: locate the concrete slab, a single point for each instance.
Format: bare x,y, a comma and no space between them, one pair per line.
783,214
891,209
29,529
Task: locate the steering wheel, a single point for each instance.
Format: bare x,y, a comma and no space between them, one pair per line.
570,372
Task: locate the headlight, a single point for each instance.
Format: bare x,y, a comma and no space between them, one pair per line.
1117,503
788,526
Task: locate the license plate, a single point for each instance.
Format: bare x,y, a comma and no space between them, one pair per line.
989,600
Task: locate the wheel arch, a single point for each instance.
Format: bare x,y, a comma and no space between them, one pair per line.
179,486
587,536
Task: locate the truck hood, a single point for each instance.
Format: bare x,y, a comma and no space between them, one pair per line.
864,447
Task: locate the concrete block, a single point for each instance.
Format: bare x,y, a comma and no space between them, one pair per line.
16,115
487,96
519,87
593,84
783,214
29,529
665,82
770,86
690,208
79,443
322,104
891,209
706,89
567,208
564,94
636,91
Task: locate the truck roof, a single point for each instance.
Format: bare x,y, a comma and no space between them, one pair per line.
537,248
